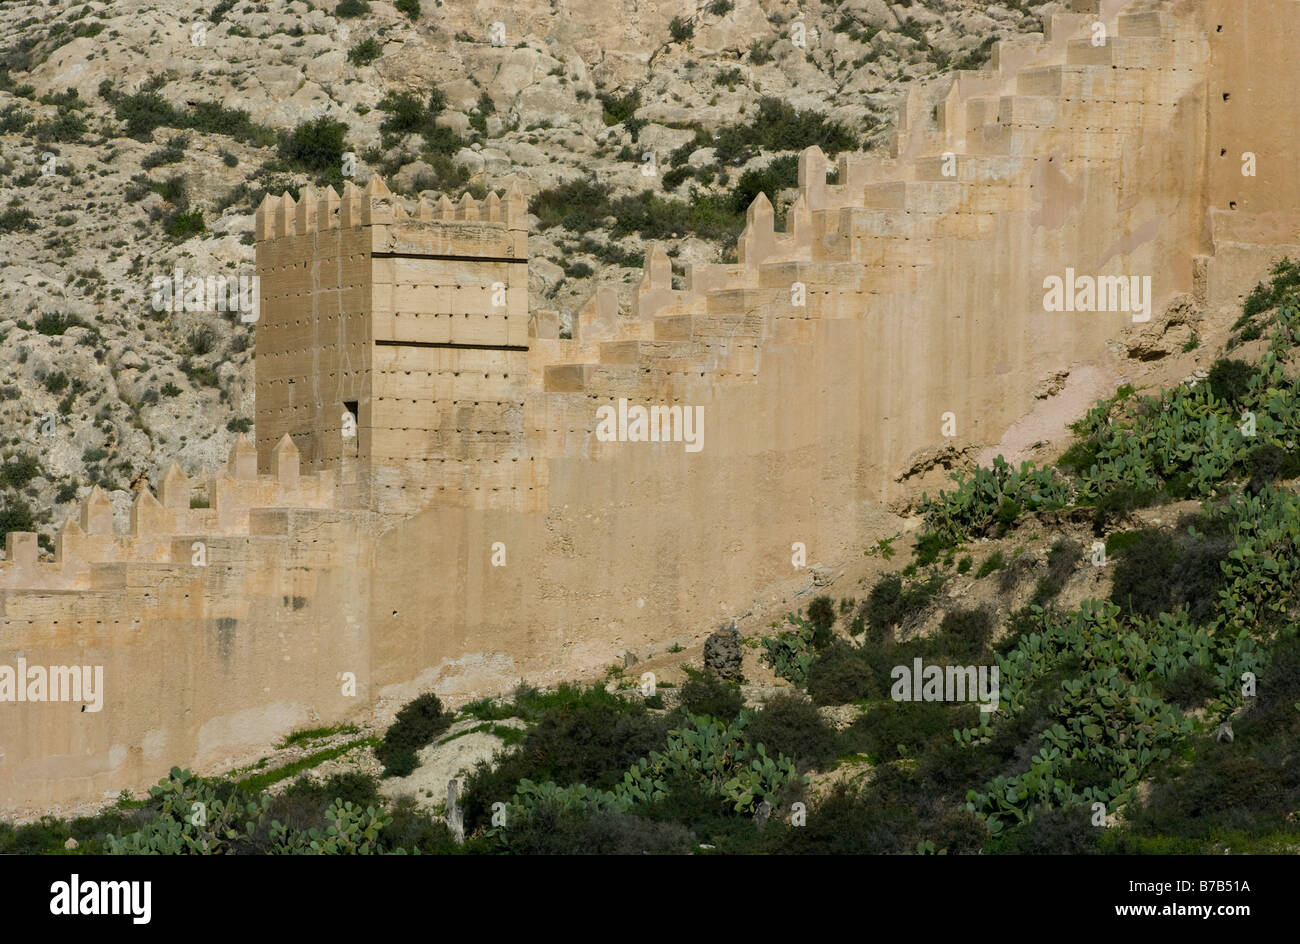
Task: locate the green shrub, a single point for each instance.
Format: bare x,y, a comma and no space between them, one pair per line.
964,634
673,178
841,674
843,822
707,695
216,118
1161,570
65,128
407,113
890,602
183,224
1190,688
533,704
681,29
1080,457
883,607
15,218
619,109
578,205
350,786
591,744
172,152
400,763
1269,462
201,340
1118,503
1286,276
821,614
780,173
316,146
1230,380
410,7
1119,542
413,828
894,729
351,8
416,725
56,323
1053,831
586,736
365,52
16,515
144,111
18,471
779,127
791,726
14,119
553,828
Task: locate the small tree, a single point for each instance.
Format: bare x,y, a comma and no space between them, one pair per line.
821,613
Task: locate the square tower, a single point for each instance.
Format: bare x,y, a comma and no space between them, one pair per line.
394,349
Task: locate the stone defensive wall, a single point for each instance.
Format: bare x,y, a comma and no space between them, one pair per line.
435,500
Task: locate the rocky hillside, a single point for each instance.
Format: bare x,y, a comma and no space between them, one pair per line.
138,139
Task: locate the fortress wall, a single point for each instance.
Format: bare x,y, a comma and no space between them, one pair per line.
202,665
927,318
1253,92
925,295
640,539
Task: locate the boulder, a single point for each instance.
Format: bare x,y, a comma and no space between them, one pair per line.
723,655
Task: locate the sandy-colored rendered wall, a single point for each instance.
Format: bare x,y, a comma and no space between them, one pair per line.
213,628
1253,96
924,297
314,331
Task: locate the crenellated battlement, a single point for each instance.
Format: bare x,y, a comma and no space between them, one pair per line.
322,210
164,528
